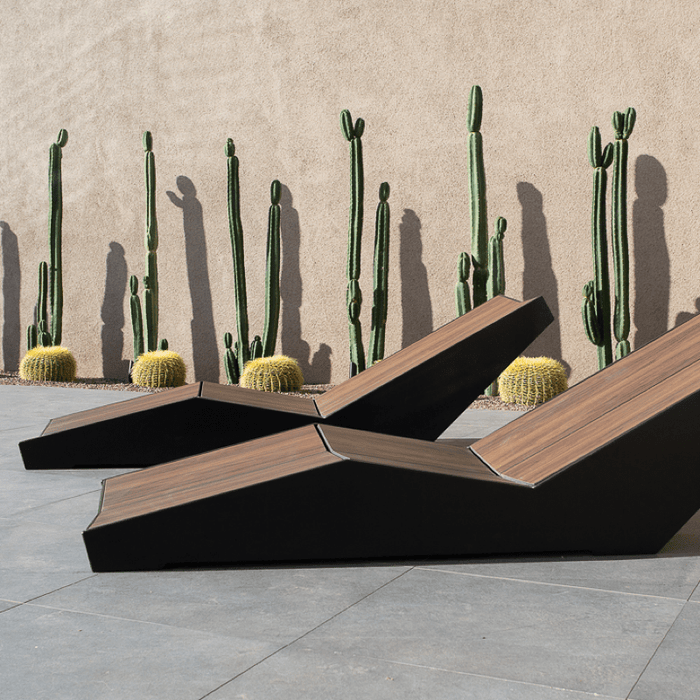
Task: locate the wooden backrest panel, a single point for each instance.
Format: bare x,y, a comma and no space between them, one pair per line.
415,354
122,408
592,398
556,456
259,399
176,483
405,453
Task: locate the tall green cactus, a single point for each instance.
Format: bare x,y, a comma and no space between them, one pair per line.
236,233
462,296
136,317
50,300
242,352
353,134
596,294
496,283
150,281
272,273
375,351
623,125
477,198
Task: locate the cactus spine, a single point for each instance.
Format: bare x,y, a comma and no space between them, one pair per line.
477,198
623,125
236,232
375,351
353,134
50,299
272,273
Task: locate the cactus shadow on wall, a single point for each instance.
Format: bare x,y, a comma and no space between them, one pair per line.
318,371
538,273
112,314
205,353
11,282
652,266
416,307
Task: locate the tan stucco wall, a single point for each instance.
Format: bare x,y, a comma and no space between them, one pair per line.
274,76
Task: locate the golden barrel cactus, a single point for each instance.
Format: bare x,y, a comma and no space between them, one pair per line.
158,369
276,373
532,380
48,364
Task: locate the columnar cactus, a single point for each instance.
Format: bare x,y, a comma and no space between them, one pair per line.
50,302
596,301
150,281
353,134
462,296
272,273
136,316
477,198
496,283
230,360
236,232
623,125
381,278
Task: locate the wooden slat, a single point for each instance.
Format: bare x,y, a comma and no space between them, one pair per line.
116,410
592,398
410,357
417,455
259,399
196,478
575,446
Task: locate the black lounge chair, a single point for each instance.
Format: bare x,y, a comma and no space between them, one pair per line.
608,467
416,392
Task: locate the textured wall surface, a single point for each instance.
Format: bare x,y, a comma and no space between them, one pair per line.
274,76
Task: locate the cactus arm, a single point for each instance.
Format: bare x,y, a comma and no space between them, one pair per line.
136,317
272,273
477,198
462,298
55,237
591,324
32,340
623,125
600,298
375,350
150,297
353,134
496,283
236,234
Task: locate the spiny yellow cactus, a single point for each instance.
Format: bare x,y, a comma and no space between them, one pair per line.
532,380
159,368
48,364
276,373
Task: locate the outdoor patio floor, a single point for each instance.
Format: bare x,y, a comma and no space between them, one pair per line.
521,628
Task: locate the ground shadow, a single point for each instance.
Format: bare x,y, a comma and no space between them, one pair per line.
11,284
205,353
652,266
112,314
416,307
538,273
318,370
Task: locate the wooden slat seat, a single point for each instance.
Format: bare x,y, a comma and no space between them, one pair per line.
418,392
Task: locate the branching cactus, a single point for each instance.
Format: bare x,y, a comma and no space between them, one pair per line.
353,134
477,198
381,278
596,294
236,232
272,273
623,125
230,360
150,281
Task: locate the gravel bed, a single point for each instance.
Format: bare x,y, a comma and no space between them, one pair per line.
486,403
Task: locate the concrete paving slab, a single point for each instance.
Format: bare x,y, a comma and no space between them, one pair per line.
300,672
7,604
22,584
62,655
571,638
670,577
272,605
74,513
674,672
475,423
